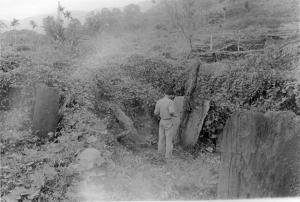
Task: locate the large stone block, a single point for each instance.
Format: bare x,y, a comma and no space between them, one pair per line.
45,117
260,156
190,135
178,102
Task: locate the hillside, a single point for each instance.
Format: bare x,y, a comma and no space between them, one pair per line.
104,76
78,14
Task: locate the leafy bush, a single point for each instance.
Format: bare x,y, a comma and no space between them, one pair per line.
23,48
214,122
9,62
5,82
158,72
113,85
259,83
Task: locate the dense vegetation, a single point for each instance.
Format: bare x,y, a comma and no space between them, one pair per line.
129,58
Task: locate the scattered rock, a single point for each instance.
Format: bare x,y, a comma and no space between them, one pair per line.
91,139
16,194
88,159
209,149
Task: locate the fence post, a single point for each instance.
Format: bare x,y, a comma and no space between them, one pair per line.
211,42
238,42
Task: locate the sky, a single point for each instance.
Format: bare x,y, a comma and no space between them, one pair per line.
21,9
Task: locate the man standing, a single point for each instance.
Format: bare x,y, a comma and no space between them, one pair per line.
166,110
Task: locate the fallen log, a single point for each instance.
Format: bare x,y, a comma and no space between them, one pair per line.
260,156
130,131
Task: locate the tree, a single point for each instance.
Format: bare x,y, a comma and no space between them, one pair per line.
116,12
2,26
73,33
105,20
116,17
106,17
33,24
54,29
67,15
60,10
68,35
15,22
94,23
185,16
132,16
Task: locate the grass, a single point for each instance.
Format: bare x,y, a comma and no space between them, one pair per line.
142,175
125,175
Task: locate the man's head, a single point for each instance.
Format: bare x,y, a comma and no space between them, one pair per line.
170,93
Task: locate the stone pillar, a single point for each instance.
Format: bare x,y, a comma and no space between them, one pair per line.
178,102
45,117
190,134
260,156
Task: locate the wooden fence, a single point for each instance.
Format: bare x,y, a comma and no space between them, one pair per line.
239,37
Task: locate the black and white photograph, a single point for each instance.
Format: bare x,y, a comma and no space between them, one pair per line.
149,100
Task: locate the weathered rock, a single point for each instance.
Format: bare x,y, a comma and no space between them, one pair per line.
88,159
260,156
45,118
91,139
16,194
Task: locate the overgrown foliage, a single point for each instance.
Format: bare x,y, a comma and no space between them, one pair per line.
259,83
39,171
159,72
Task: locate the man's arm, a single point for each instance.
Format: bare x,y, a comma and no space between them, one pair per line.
156,111
172,109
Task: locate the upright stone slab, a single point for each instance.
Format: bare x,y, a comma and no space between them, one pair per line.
45,118
260,156
15,96
190,135
178,102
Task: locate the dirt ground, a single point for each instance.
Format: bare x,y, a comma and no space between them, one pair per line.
143,175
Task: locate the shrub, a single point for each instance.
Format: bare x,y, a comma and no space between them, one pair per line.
23,48
5,82
113,85
10,62
158,72
259,83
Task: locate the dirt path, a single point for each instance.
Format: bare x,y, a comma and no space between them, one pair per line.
142,175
